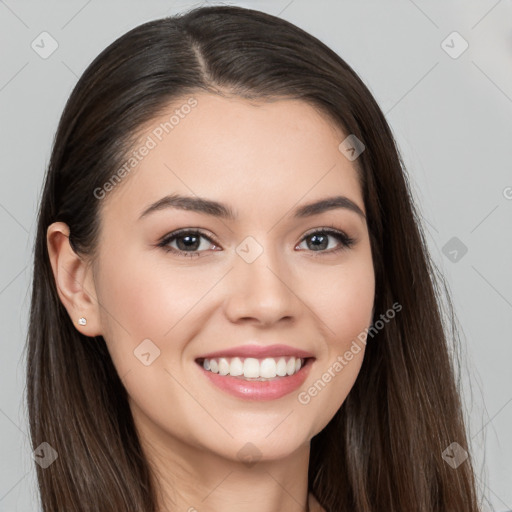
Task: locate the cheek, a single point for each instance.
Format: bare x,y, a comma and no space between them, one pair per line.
139,302
344,304
144,295
330,387
144,315
345,301
143,299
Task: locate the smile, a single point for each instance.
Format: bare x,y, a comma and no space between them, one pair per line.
253,368
256,379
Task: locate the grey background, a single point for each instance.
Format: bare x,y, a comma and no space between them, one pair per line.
452,121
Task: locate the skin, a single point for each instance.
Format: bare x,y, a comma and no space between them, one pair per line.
263,160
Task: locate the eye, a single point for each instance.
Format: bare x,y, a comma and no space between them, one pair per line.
320,240
188,242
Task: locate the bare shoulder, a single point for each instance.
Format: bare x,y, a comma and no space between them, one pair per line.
314,506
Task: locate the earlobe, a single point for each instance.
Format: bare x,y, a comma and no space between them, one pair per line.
73,280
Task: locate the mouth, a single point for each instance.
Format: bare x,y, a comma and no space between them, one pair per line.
256,372
255,369
256,379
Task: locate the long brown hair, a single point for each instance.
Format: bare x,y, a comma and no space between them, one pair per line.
382,451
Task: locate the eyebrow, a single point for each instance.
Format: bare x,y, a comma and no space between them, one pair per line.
216,209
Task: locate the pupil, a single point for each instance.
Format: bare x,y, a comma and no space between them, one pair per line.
316,237
190,242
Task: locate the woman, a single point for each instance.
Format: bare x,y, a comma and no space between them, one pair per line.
233,304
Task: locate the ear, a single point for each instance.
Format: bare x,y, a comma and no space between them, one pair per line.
73,279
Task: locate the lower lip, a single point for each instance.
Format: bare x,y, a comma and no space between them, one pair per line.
259,390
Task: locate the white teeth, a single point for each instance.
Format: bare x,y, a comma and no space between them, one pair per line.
252,368
290,367
214,366
268,368
223,366
281,367
236,367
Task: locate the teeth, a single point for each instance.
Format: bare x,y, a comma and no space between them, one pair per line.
281,367
290,367
236,367
252,368
223,366
214,366
267,368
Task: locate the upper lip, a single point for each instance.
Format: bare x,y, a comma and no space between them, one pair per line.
259,351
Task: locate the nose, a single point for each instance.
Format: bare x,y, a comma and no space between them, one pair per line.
261,291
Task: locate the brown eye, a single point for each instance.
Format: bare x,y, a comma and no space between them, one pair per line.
319,241
187,243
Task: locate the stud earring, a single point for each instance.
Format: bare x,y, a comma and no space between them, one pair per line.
82,321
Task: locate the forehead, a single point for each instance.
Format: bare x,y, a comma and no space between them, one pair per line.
239,152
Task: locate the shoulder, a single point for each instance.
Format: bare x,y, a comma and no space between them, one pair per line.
314,506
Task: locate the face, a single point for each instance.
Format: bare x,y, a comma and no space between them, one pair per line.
266,276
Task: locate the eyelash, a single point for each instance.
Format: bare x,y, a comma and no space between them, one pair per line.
346,242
